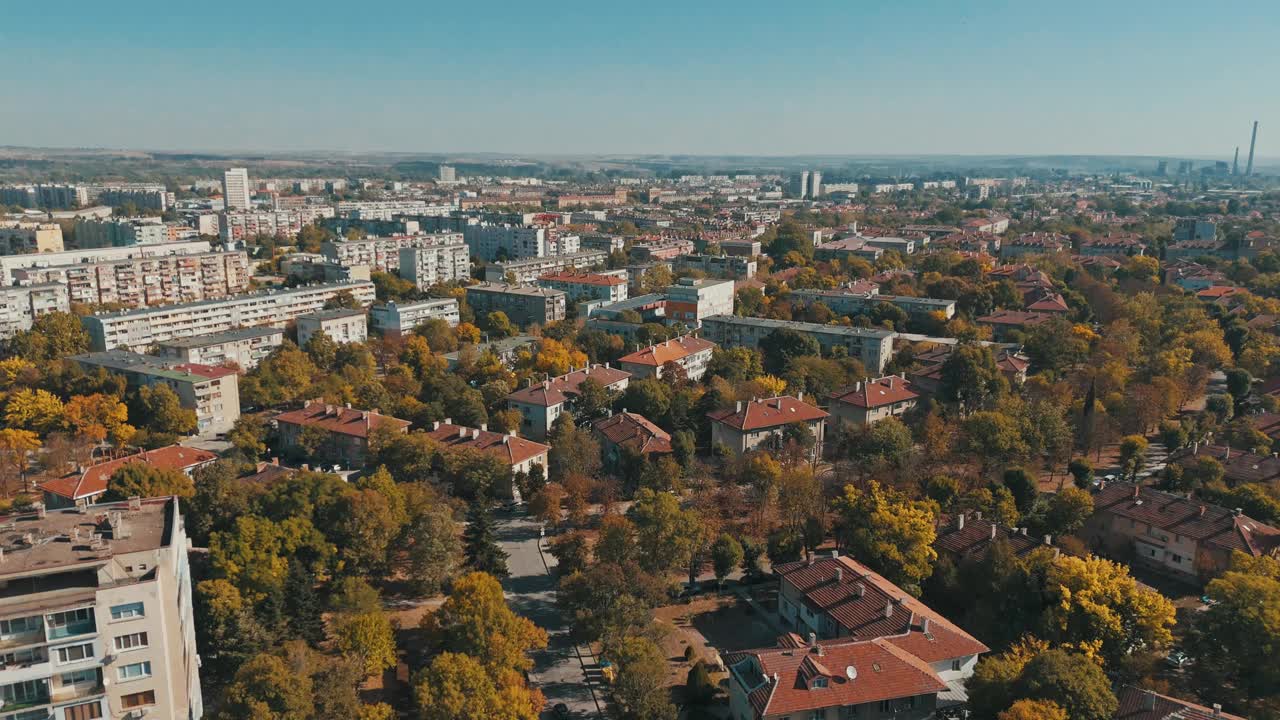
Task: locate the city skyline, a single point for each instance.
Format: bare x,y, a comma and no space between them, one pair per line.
922,78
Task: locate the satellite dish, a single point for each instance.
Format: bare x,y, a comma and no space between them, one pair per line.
851,672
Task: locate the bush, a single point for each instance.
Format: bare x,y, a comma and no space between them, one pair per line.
700,689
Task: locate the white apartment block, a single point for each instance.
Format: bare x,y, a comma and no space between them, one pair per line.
145,327
20,306
140,282
245,225
93,233
236,193
212,392
489,242
387,209
146,196
691,300
439,263
97,621
9,264
342,325
530,269
20,237
586,285
244,347
383,253
396,319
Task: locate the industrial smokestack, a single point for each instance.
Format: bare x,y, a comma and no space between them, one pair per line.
1253,140
1235,164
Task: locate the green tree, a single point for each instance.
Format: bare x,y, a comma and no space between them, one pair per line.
1071,681
1023,487
432,547
266,688
994,438
1133,451
1234,640
39,411
783,344
726,555
665,534
1081,472
971,378
282,377
499,325
52,337
249,436
640,691
142,480
321,349
571,552
894,535
481,543
573,450
1067,511
367,638
161,412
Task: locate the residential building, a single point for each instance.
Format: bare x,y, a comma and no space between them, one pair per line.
1004,323
447,174
439,263
144,196
59,196
1034,243
93,233
144,327
628,435
528,270
664,249
690,300
97,617
749,425
1113,245
1048,302
586,285
1192,249
87,485
927,380
236,193
874,348
995,224
505,349
855,301
1143,704
741,248
242,225
394,319
522,304
690,353
342,325
345,431
966,536
213,392
870,401
494,242
20,237
602,241
445,255
10,263
388,209
316,268
242,347
617,197
1193,229
20,306
1186,538
516,453
540,404
848,248
722,266
147,281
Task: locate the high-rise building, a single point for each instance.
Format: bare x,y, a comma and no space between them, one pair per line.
448,173
815,185
235,189
800,186
1162,168
97,616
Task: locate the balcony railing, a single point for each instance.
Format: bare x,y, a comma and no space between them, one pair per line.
59,632
67,693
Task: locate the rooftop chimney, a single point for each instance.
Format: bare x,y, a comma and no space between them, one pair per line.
888,608
960,521
1217,707
994,528
1048,539
813,640
484,427
839,575
860,589
924,624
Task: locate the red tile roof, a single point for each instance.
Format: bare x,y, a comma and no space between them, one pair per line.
337,419
976,536
511,449
1050,303
876,393
558,390
858,599
1209,525
1014,318
1140,704
205,371
93,480
670,351
768,413
635,432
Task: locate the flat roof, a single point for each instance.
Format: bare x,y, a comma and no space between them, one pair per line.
508,289
248,333
800,326
125,361
53,537
332,314
142,312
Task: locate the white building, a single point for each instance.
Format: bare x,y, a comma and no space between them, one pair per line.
383,253
441,262
691,353
591,286
97,620
155,280
93,233
448,174
528,270
20,237
396,319
236,193
20,306
245,347
147,326
243,225
691,300
212,392
342,325
8,264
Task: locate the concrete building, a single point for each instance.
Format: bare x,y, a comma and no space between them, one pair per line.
604,242
346,430
691,353
848,301
755,423
342,325
144,327
212,392
316,268
144,196
870,401
690,300
20,306
97,620
542,403
60,196
586,285
147,281
493,242
388,209
20,237
874,348
1034,243
522,304
394,319
87,485
246,224
441,263
91,233
447,174
529,270
720,266
1187,229
449,257
243,347
848,248
10,263
664,249
236,194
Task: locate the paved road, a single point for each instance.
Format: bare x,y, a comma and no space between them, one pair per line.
530,589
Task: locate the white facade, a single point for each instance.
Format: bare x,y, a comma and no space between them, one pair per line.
156,280
235,189
245,347
528,270
436,263
341,325
75,257
396,319
20,306
244,225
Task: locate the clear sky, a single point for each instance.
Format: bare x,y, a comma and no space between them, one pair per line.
695,76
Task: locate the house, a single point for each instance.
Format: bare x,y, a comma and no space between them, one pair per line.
1025,278
1035,243
1186,538
1238,467
966,536
517,453
927,380
542,403
751,424
86,485
632,432
1005,322
840,598
691,353
346,430
1048,302
870,401
1142,704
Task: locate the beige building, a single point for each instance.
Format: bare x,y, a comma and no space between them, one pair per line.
212,392
97,619
396,319
245,347
691,353
346,430
870,401
541,404
749,425
146,281
21,237
20,306
342,325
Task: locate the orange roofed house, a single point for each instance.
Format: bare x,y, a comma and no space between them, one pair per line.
541,403
347,430
86,485
517,453
692,354
870,401
748,425
634,433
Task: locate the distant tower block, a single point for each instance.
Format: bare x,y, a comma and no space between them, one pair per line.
1253,141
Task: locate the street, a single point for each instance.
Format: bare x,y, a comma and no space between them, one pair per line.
530,588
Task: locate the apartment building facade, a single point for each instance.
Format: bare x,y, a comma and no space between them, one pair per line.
246,224
874,348
586,285
541,404
347,430
144,327
437,263
243,347
490,242
93,233
342,325
734,267
522,304
529,270
755,423
21,237
846,301
394,319
869,401
146,281
99,620
212,392
383,253
20,306
690,353
10,263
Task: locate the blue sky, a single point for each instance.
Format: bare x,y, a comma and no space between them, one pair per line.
702,77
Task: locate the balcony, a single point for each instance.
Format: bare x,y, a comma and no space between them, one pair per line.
69,693
60,632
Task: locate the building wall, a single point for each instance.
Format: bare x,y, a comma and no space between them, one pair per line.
743,442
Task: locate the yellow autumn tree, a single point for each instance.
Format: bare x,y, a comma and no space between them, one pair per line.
36,410
98,417
16,446
1034,710
554,358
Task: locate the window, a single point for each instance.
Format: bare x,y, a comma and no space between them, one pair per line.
135,671
80,677
147,697
132,641
87,711
955,665
74,653
17,626
819,682
818,715
71,617
126,612
886,706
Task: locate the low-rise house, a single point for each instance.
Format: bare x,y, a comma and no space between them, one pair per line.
1048,302
542,403
1035,243
1143,704
967,536
87,484
505,348
1188,539
517,453
633,433
1004,322
1238,467
927,380
690,353
346,430
869,401
751,424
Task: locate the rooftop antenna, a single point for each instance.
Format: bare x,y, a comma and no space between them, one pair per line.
1253,140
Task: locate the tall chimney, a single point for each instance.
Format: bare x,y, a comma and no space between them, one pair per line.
1235,164
1253,140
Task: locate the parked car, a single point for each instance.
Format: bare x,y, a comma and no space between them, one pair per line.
1178,659
561,711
